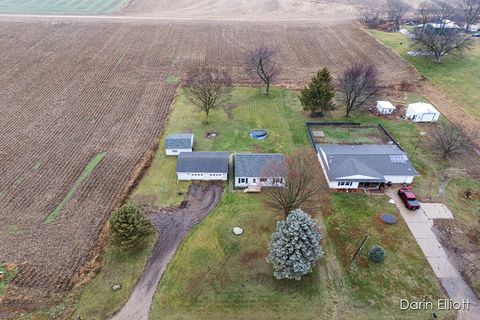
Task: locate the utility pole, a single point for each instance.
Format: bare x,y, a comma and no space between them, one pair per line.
357,252
416,145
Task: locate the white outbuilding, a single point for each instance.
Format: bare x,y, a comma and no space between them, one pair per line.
422,112
385,107
178,142
202,166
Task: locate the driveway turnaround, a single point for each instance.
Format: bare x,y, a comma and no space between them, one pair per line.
420,223
172,228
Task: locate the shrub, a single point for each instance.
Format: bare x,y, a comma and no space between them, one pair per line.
295,246
128,227
376,254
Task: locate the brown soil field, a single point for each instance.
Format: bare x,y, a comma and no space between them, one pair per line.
70,90
326,11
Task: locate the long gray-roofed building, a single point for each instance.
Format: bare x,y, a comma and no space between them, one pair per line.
364,166
202,166
263,169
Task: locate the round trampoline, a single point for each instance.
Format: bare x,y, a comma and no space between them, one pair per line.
388,218
258,134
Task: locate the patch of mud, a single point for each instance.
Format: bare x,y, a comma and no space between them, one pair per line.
463,245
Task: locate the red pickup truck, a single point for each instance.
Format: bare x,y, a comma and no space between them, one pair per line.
409,199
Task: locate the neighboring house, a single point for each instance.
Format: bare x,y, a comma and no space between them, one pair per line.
473,28
364,166
259,169
202,166
385,107
444,25
422,112
178,142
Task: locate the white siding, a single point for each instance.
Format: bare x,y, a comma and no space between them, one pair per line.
425,117
334,185
399,179
201,176
244,182
176,152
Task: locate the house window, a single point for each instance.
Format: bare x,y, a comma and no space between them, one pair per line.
174,151
242,180
344,183
254,180
263,179
277,180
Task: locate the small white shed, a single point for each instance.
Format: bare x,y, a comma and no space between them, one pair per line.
385,107
422,112
178,142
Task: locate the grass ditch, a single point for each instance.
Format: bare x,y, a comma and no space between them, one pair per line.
83,176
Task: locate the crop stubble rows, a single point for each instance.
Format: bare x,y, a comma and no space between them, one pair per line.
71,90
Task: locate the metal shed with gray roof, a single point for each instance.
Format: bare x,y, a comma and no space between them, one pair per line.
364,166
264,169
202,166
176,143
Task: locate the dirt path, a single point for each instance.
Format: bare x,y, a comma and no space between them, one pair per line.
172,228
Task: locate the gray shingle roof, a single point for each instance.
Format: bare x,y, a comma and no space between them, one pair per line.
203,162
255,164
375,161
179,141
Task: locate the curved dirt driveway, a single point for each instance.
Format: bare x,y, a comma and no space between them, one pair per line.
172,228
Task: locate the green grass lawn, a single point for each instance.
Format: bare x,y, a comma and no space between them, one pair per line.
84,7
456,76
363,135
279,113
119,266
217,275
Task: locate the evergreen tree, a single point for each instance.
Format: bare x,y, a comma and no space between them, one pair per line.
319,94
295,246
376,254
128,227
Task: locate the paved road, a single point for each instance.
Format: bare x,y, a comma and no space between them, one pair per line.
420,224
172,228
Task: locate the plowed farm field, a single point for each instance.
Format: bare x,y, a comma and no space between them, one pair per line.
82,103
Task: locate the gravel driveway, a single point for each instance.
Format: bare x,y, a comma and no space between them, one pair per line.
172,228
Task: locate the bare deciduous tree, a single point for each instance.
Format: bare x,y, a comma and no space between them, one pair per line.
448,138
301,184
395,10
470,10
262,66
372,14
358,83
440,38
208,88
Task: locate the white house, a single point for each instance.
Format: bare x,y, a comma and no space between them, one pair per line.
178,142
422,112
474,28
385,107
202,166
259,169
364,166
